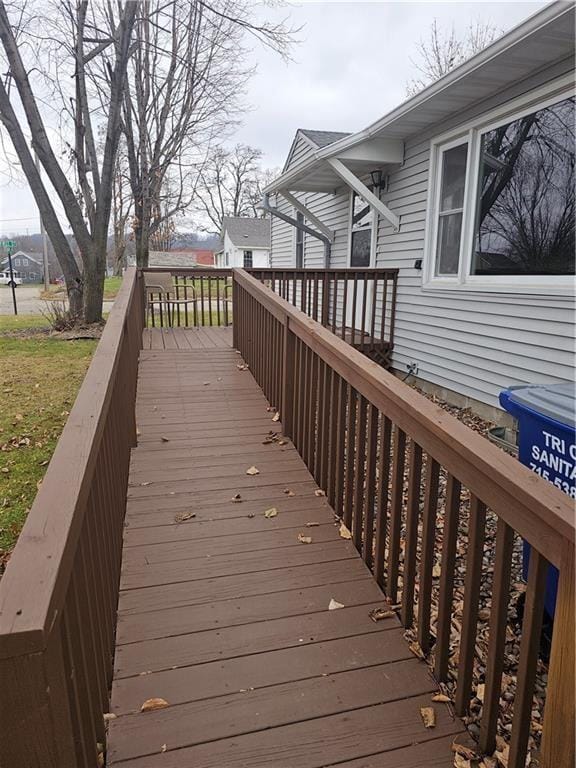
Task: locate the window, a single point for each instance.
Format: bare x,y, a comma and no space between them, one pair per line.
299,242
227,259
248,260
18,262
361,232
504,201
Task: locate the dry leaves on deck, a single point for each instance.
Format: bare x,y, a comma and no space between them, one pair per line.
181,517
236,498
333,605
441,698
428,716
377,614
151,704
344,532
276,416
252,471
319,492
272,512
304,539
312,524
242,366
165,439
288,492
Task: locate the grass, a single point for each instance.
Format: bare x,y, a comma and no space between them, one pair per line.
22,322
111,288
40,378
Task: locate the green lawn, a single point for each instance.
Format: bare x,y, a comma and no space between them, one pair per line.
39,377
111,288
22,322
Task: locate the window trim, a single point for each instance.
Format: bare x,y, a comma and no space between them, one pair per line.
471,133
373,232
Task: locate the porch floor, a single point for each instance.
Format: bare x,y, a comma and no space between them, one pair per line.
224,612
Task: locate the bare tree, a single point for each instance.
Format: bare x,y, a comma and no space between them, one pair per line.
184,92
230,184
443,50
87,208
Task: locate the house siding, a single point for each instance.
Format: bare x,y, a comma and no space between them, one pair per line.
472,342
475,343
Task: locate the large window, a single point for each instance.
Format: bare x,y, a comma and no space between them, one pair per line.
361,237
299,242
504,202
248,260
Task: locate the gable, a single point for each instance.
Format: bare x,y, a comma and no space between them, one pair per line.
301,151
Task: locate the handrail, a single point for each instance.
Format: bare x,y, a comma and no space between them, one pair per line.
363,434
59,592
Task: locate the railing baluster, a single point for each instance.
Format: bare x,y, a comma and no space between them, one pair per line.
449,537
359,472
396,514
351,400
382,496
369,495
497,642
340,447
427,556
412,517
529,648
473,577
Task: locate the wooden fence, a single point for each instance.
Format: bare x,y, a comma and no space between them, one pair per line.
59,594
358,305
380,451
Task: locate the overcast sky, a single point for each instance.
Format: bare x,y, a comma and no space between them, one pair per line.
351,67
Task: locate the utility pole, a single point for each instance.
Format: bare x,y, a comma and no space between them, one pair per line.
44,239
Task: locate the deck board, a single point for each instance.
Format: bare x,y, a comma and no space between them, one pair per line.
225,614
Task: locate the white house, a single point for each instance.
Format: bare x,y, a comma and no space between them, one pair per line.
245,242
468,189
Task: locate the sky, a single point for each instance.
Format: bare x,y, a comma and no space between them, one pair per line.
350,66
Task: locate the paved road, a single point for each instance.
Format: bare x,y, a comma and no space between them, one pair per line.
28,300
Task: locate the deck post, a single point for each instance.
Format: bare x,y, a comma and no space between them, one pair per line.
235,319
287,404
558,743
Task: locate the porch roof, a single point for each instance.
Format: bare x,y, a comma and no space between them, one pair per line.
543,39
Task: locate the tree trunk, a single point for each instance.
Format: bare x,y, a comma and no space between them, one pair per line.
94,273
142,235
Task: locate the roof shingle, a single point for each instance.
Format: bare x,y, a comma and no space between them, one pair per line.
245,232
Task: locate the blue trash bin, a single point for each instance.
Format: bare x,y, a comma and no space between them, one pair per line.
546,417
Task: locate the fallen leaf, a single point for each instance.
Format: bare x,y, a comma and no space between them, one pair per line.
272,512
288,492
461,762
163,748
441,698
436,571
252,471
319,492
333,605
480,692
180,517
236,499
312,524
151,704
377,614
282,442
304,539
165,439
276,416
484,614
19,417
416,650
464,751
145,484
206,383
344,532
489,762
428,717
109,716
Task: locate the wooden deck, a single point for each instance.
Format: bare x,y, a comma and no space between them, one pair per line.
224,613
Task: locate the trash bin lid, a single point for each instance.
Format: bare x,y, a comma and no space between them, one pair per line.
556,401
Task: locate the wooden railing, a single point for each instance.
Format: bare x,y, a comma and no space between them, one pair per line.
59,593
201,297
358,305
389,461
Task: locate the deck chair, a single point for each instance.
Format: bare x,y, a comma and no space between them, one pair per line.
161,293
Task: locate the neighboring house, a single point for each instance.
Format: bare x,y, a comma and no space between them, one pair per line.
245,242
468,189
186,258
29,266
